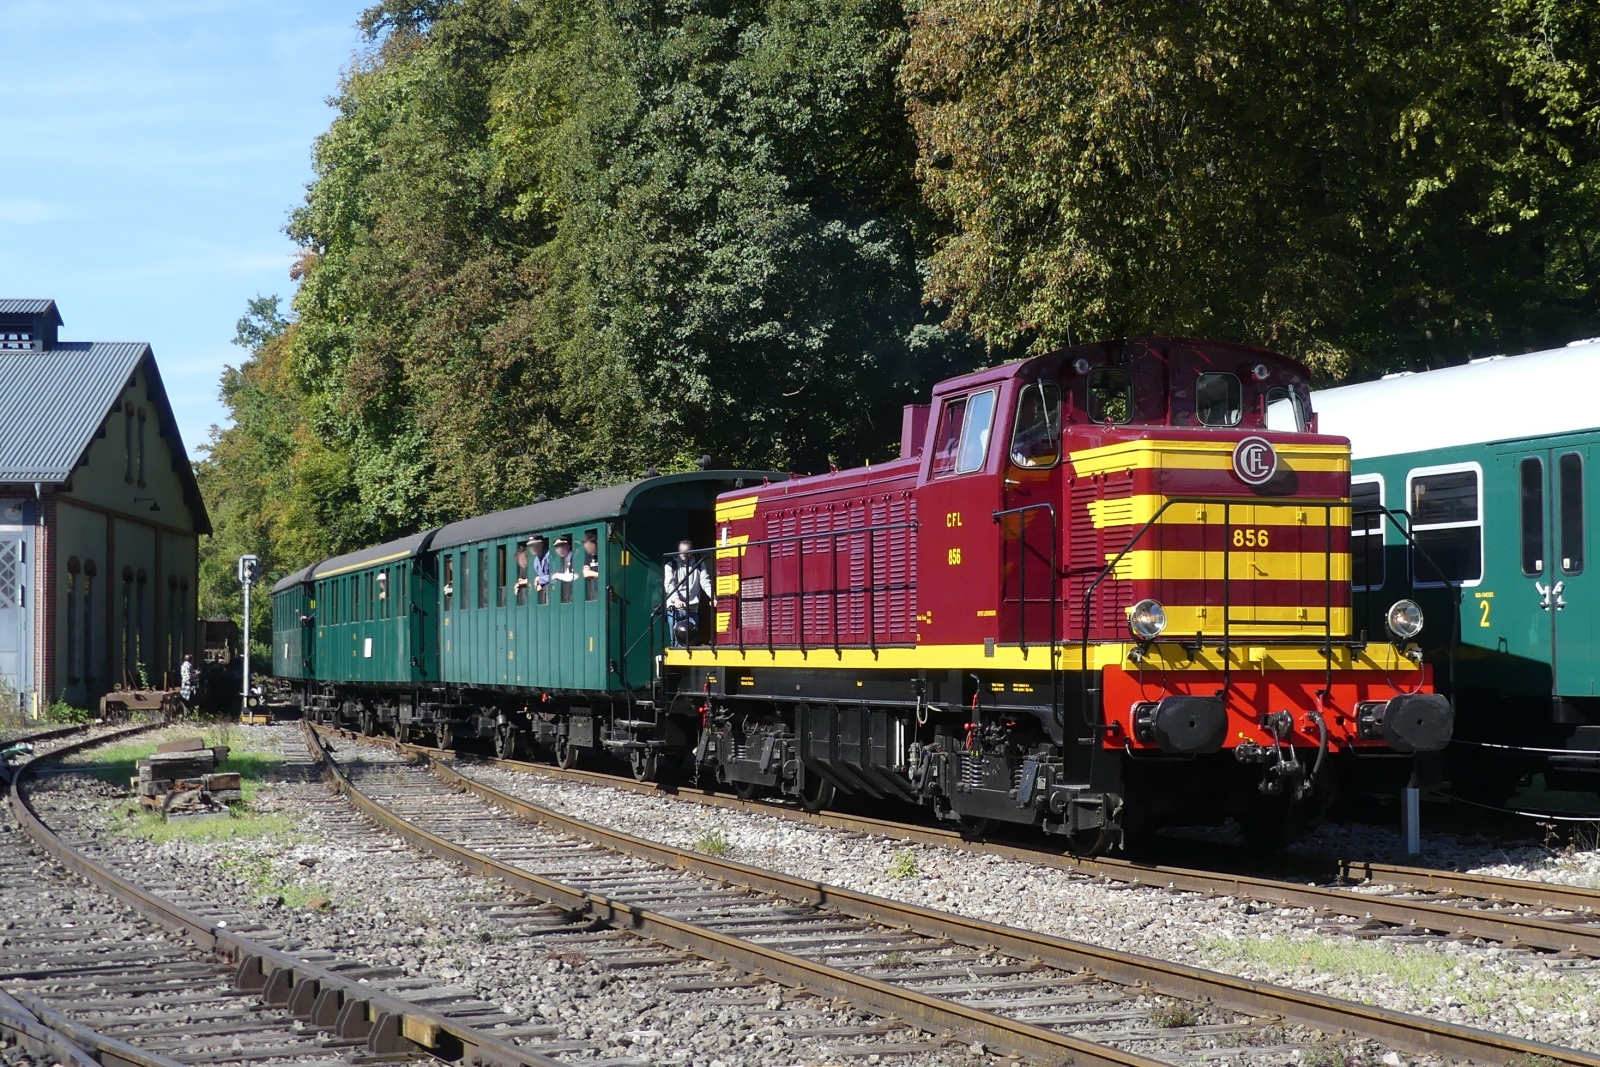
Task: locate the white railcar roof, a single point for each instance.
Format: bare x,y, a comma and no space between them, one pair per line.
1499,398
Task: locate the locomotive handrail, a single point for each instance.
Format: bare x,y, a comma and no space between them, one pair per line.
739,550
1022,594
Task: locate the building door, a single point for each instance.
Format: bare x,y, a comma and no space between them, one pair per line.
16,614
1559,596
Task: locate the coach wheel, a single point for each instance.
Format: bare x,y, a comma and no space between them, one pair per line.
566,755
747,790
505,740
402,733
816,793
445,734
1090,842
643,761
974,828
367,722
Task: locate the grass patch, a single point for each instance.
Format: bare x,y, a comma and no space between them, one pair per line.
712,843
904,865
256,870
238,826
117,763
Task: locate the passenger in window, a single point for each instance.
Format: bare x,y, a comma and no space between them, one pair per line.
562,570
536,557
683,580
520,588
591,565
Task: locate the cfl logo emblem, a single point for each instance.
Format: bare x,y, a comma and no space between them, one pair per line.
1254,461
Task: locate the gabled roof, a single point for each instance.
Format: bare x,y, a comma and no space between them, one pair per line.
52,402
47,308
1498,398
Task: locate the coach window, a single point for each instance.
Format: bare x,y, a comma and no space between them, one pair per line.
522,575
1036,439
1110,395
1447,523
1366,532
1218,399
449,581
500,576
383,592
948,442
358,605
1530,484
483,577
1569,468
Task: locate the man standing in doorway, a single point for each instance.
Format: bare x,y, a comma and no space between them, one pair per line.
684,579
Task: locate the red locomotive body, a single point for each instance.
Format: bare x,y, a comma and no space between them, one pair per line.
1104,588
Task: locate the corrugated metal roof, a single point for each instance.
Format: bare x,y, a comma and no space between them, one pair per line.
594,506
52,402
31,307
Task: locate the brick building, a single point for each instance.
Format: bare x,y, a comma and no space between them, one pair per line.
100,516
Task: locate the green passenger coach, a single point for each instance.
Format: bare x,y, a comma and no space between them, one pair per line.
538,625
1488,466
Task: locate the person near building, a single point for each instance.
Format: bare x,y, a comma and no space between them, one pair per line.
188,678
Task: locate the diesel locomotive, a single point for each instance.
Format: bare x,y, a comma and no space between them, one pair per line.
1099,591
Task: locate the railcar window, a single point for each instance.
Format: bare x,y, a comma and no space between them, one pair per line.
1530,475
975,434
500,576
1218,399
449,581
1110,395
1447,527
383,593
951,419
1036,440
1366,534
355,599
591,564
1569,469
483,577
522,576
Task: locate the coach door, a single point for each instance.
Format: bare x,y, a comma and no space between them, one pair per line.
1030,523
1559,595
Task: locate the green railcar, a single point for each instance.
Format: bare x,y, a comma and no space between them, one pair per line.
293,605
1486,467
373,616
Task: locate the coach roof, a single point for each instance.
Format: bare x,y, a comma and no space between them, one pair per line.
596,505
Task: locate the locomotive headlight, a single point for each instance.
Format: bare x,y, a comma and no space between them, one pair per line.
1404,619
1147,620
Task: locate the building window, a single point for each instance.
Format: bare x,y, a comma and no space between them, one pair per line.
73,570
1366,532
183,618
127,625
127,440
1447,523
173,652
141,447
89,571
141,651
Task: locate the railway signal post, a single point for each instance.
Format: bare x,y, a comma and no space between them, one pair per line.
249,571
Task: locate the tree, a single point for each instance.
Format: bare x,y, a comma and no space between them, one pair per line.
1363,185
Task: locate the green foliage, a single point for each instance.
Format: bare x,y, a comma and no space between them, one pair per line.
712,843
59,712
904,865
1362,185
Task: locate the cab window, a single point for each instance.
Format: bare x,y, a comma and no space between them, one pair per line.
1286,411
975,433
1218,399
948,441
1036,439
1110,395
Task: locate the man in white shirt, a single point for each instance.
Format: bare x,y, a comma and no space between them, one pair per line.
684,580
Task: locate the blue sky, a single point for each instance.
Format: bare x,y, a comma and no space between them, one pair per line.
155,151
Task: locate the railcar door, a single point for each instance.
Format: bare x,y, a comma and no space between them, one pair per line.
1573,599
1030,526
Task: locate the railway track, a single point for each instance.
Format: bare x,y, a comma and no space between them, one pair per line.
1032,994
112,973
1385,897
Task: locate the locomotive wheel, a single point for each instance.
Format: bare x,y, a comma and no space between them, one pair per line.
1090,842
643,762
402,733
974,828
746,790
817,793
505,741
566,756
367,723
445,734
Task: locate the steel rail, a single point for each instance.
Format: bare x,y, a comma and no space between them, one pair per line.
1532,932
930,1012
1319,1011
74,1043
352,1009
